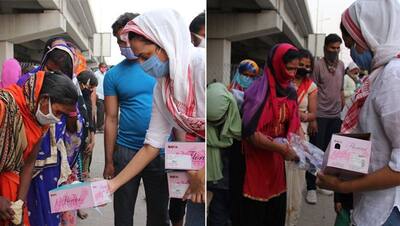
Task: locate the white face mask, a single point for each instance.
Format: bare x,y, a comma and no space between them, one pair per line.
202,42
43,119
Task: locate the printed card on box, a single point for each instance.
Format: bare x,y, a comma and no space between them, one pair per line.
348,156
185,155
178,183
79,196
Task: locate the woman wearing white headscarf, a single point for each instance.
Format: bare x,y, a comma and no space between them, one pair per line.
161,41
372,25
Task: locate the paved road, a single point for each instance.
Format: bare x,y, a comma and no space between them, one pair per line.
321,214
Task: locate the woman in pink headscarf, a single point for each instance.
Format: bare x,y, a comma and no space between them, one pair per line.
10,73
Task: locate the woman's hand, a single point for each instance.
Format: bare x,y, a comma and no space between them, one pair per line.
303,116
330,182
196,190
338,207
6,213
289,154
89,148
112,186
312,128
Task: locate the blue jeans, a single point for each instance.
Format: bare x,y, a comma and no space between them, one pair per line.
394,218
195,214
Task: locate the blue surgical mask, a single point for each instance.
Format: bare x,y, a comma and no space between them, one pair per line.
155,67
363,60
243,80
128,53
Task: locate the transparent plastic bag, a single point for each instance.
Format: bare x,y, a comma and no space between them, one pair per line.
310,157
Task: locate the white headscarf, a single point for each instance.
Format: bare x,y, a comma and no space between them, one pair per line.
167,29
374,25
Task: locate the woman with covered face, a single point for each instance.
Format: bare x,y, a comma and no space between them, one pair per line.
270,111
161,41
25,115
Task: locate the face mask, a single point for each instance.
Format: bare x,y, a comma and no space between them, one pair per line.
202,42
155,67
128,53
302,72
363,60
86,91
43,119
244,81
331,55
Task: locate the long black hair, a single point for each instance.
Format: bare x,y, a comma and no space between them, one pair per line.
59,88
304,53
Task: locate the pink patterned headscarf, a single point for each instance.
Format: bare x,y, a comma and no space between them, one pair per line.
10,73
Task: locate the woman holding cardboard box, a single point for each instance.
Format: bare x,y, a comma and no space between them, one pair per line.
161,41
26,111
371,26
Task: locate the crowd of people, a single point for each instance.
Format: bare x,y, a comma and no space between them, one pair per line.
50,114
252,176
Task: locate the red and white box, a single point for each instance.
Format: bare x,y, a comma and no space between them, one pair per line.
79,196
178,183
348,155
185,155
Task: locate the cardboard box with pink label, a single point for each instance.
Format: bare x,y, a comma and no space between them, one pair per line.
182,156
185,155
79,196
348,155
178,183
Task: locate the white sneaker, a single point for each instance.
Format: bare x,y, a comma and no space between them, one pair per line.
311,197
325,192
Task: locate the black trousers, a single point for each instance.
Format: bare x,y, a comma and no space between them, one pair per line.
271,213
220,208
100,114
177,210
326,127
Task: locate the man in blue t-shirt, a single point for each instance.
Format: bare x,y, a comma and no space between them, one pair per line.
128,90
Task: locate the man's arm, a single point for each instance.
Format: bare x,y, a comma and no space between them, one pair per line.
110,133
93,98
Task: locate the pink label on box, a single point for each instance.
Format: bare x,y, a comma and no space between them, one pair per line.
349,154
185,155
79,196
178,183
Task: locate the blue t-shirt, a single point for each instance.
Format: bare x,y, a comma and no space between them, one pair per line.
134,89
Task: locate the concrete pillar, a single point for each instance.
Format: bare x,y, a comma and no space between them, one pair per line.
218,60
6,52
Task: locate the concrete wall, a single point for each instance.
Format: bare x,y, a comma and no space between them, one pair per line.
262,26
72,19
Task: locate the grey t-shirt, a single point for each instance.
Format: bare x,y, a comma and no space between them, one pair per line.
330,87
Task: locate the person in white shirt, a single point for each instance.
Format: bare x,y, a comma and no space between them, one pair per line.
372,26
349,86
198,31
100,96
161,41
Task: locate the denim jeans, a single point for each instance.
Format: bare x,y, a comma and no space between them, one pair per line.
155,187
195,214
394,218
